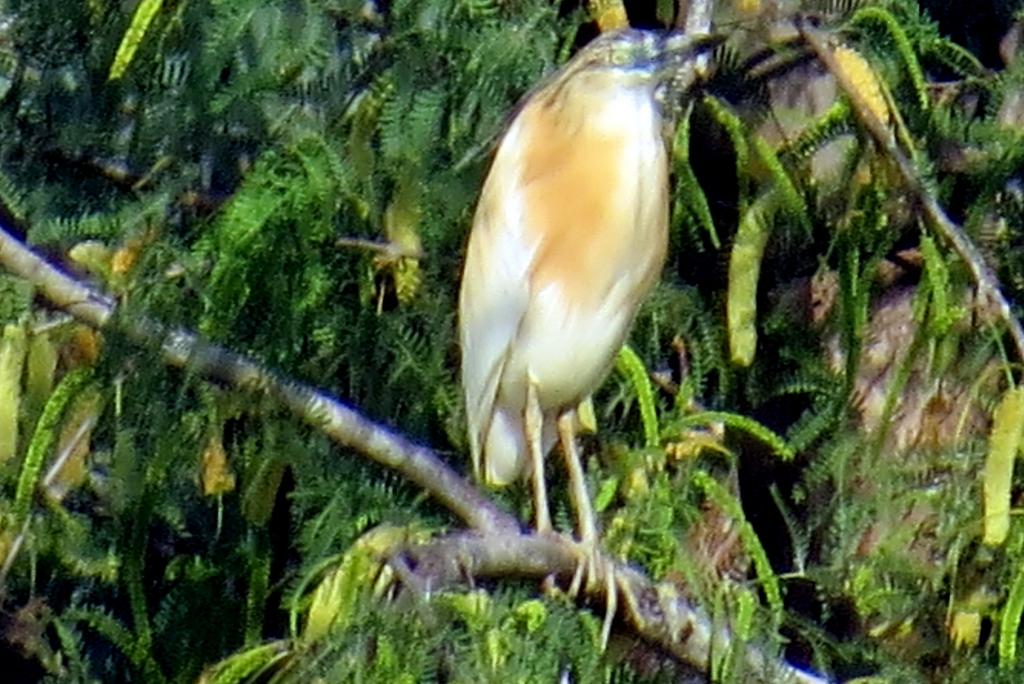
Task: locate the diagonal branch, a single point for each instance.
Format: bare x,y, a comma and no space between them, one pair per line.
340,422
494,547
989,293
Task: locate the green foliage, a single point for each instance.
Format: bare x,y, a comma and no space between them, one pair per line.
653,506
133,37
242,168
739,422
111,630
485,638
690,204
244,665
720,497
15,298
835,122
734,128
631,366
42,441
889,25
1010,623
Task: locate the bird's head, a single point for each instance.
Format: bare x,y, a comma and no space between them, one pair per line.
639,57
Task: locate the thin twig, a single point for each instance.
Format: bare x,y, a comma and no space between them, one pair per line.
58,464
990,295
69,450
390,250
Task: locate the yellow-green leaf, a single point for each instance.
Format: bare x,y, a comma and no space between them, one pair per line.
260,492
40,371
744,274
145,12
1004,443
335,600
1009,621
12,361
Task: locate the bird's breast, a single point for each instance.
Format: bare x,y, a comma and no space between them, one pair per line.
593,194
594,189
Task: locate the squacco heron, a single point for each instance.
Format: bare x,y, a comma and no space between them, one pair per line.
568,238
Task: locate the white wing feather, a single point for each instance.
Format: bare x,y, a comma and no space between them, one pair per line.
492,303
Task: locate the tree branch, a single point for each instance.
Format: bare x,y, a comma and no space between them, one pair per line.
494,548
341,423
697,19
989,293
656,611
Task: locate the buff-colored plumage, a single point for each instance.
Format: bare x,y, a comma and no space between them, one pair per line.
569,236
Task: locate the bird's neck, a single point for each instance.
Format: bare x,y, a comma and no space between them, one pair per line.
601,102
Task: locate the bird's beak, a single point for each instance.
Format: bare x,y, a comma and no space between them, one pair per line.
677,60
679,46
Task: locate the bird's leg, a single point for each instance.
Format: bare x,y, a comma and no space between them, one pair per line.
587,525
534,422
578,486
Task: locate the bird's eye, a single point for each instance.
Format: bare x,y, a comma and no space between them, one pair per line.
633,51
619,56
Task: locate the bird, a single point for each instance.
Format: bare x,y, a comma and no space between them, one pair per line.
569,236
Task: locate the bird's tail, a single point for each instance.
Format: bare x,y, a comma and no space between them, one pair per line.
505,453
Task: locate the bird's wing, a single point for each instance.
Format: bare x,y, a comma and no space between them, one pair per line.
495,293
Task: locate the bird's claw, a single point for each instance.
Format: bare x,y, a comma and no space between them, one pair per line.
591,568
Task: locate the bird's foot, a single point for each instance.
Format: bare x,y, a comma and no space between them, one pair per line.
592,570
